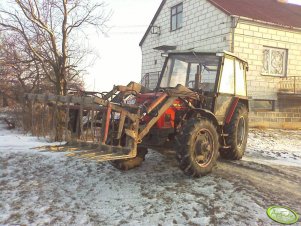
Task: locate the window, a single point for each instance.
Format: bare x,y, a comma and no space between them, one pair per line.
178,73
274,61
181,69
176,17
240,82
208,76
227,80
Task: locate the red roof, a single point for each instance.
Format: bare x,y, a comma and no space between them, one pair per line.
270,11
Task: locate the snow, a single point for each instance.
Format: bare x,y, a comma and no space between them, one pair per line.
49,188
276,146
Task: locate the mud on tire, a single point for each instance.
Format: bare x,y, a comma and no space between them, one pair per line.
238,132
197,147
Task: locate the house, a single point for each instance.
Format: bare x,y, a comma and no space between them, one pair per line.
267,33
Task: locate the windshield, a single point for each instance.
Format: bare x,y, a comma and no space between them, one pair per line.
181,69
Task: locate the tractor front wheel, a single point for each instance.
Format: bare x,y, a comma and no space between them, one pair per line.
197,148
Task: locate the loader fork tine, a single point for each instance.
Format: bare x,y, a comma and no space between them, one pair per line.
67,119
32,116
92,123
43,119
81,130
106,125
54,120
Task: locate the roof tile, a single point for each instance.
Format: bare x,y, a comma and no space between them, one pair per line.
271,11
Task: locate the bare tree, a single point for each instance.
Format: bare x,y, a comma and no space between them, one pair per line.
20,72
50,30
41,44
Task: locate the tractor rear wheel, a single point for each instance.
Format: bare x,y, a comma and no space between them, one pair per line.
237,131
127,164
197,148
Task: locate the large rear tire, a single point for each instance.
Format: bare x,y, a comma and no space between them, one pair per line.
127,164
197,147
237,131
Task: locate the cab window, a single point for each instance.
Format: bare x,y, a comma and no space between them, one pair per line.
227,77
240,83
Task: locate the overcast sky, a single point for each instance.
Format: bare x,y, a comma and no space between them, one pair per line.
119,54
298,2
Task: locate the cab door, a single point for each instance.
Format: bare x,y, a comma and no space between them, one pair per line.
231,86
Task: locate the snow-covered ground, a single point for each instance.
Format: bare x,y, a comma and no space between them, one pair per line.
46,188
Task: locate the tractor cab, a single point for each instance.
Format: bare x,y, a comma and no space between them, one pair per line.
215,72
220,77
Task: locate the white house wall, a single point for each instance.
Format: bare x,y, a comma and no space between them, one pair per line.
250,38
205,27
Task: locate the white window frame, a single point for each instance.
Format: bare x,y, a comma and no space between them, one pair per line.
271,49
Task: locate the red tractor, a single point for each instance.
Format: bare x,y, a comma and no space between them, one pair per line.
199,109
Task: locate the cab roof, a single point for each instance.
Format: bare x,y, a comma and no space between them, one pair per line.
216,53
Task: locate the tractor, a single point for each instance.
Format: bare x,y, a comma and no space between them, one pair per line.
199,109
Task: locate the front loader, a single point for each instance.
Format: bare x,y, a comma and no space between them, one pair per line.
199,109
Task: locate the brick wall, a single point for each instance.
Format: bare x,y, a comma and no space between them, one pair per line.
204,28
280,120
249,40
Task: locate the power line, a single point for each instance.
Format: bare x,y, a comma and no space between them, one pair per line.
128,26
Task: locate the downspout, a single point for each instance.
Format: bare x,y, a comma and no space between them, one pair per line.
234,22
